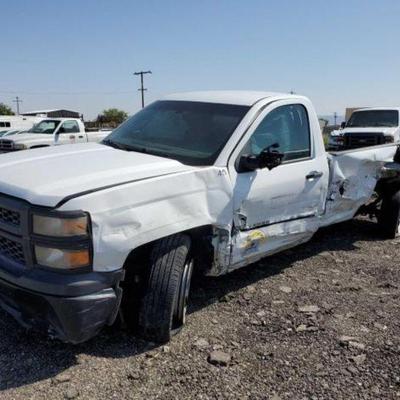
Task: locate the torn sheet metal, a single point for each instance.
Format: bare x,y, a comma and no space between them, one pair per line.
222,245
250,246
353,177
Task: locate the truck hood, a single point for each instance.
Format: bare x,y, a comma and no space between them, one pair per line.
49,175
384,130
29,137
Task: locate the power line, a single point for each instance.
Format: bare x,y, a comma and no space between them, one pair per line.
142,88
17,100
65,93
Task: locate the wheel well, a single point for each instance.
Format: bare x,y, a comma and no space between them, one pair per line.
39,146
384,188
387,186
137,268
201,250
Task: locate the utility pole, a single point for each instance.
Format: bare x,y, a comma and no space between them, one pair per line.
335,117
17,100
142,88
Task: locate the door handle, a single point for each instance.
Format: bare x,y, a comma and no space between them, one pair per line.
80,137
314,175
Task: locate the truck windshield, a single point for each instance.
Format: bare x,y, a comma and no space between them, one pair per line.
193,133
47,126
378,118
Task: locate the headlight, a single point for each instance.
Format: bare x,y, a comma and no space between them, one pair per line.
60,227
62,240
19,146
389,139
62,258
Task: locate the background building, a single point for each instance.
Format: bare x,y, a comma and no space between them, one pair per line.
57,113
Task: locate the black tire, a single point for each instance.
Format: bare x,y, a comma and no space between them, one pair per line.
389,216
163,307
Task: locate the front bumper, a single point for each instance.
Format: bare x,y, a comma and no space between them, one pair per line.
70,305
87,302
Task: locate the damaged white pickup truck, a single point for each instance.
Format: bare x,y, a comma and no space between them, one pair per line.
205,182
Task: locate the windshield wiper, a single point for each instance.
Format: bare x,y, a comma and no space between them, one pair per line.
115,145
120,146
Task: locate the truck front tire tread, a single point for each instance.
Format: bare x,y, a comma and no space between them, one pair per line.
167,261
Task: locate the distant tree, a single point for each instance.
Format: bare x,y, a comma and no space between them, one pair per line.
6,110
112,116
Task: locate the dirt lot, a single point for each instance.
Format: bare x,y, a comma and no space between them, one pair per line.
321,321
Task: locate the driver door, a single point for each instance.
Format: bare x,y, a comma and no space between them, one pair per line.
276,208
69,133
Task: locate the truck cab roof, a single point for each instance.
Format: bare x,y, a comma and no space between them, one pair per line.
237,97
59,119
378,109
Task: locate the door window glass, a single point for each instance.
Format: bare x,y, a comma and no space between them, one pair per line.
46,126
289,127
69,127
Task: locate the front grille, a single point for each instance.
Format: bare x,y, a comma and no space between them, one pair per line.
14,231
6,144
12,249
10,216
356,140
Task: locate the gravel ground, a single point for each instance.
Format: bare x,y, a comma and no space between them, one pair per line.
320,321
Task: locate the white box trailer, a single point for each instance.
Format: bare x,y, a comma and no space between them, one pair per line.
17,122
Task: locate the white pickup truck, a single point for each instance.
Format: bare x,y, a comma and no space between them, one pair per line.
367,127
51,132
205,181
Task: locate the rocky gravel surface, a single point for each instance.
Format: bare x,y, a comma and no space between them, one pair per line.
320,321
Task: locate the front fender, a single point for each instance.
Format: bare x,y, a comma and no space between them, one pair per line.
128,216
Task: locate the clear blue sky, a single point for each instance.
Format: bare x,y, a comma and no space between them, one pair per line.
81,54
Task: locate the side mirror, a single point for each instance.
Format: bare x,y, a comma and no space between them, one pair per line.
268,158
343,125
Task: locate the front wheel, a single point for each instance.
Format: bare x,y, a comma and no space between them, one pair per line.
389,216
163,308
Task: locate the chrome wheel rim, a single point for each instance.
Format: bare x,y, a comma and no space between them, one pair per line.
183,294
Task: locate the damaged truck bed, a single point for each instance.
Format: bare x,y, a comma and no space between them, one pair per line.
202,182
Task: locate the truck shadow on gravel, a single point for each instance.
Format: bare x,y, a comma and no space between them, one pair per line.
28,357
